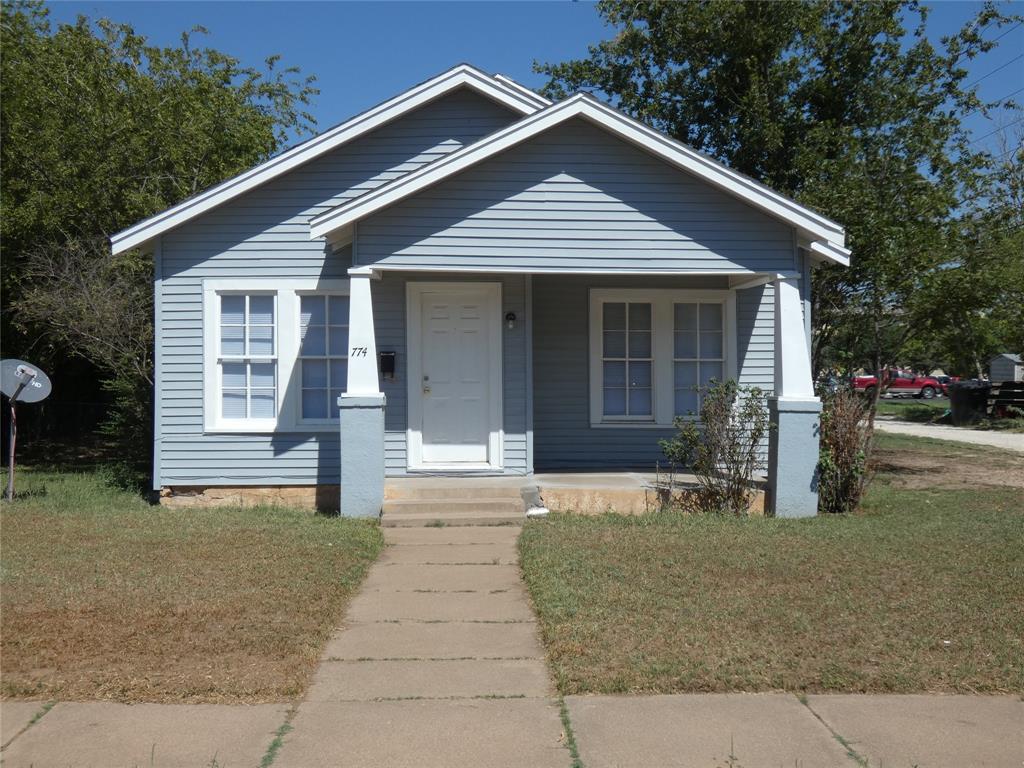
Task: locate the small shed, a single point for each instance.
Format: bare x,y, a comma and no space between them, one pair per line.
1006,367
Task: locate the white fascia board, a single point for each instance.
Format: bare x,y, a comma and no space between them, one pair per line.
457,77
540,101
829,252
815,226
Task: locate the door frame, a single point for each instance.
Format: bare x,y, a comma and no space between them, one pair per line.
415,290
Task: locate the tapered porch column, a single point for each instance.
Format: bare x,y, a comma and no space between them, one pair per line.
361,408
794,410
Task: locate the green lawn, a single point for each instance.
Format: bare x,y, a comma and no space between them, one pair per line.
104,596
921,591
913,409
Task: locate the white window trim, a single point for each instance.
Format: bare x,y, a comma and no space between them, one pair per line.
286,339
663,373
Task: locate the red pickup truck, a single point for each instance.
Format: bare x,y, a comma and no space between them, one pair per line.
901,383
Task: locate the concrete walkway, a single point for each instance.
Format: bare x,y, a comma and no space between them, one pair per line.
1005,440
436,664
780,729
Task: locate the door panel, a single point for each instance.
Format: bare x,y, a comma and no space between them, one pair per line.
456,377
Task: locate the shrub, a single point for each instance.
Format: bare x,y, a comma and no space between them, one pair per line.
724,449
845,446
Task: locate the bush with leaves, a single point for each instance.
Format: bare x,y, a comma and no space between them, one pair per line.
845,447
723,449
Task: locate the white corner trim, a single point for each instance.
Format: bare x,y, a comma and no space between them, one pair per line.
663,368
808,223
502,91
415,291
286,331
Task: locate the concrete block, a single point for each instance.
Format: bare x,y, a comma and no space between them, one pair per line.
696,731
419,640
468,733
163,735
370,680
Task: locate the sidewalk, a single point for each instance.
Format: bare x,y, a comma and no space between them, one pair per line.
1005,440
437,664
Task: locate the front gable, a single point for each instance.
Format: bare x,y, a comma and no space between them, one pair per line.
575,198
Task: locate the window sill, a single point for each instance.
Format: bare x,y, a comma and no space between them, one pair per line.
270,429
629,425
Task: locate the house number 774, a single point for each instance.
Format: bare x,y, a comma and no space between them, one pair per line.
358,351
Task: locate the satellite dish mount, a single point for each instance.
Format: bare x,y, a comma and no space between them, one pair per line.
21,382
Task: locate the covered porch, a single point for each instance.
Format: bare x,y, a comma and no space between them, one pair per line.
510,381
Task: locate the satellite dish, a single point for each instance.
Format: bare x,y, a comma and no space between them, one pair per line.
23,382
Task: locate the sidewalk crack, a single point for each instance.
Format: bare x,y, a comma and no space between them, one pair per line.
35,719
850,751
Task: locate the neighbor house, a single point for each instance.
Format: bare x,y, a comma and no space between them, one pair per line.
469,279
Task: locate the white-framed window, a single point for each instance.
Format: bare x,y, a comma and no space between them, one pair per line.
275,354
627,357
651,350
246,356
323,354
698,352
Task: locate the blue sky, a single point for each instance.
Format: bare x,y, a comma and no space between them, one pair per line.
365,52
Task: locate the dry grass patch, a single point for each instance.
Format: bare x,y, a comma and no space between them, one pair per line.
106,597
922,591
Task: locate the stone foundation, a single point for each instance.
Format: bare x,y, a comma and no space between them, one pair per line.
320,498
624,501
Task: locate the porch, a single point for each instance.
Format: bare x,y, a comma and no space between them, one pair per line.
426,501
472,388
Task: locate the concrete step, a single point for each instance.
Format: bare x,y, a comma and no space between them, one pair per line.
480,511
445,489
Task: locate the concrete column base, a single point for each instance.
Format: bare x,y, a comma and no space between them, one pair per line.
793,456
362,455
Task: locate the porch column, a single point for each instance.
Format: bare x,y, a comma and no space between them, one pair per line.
794,410
361,408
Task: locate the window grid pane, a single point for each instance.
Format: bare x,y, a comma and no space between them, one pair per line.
323,353
247,350
627,358
699,352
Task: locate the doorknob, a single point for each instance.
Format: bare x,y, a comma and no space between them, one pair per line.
426,384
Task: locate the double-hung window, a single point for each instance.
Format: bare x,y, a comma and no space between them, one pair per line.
627,356
323,354
247,363
275,354
652,351
698,353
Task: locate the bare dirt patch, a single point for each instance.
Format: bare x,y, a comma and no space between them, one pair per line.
924,464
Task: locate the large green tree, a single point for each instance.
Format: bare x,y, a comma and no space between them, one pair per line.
846,106
99,129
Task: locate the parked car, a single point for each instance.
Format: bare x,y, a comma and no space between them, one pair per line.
900,384
945,381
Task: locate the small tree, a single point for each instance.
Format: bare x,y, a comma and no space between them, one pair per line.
724,449
843,460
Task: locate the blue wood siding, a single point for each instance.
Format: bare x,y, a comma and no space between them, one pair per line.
576,197
563,436
389,305
264,234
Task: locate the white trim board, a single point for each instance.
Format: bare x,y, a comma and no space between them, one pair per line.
515,97
414,332
815,228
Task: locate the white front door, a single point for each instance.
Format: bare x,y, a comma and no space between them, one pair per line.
455,375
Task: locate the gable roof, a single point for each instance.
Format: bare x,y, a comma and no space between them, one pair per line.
499,88
823,238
